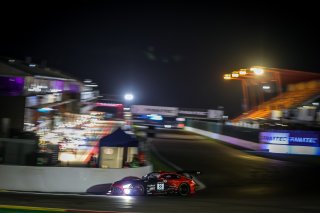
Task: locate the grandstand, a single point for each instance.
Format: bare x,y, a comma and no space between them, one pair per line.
295,96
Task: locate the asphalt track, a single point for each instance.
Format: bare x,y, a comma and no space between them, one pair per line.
236,181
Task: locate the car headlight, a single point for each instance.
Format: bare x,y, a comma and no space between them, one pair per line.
127,186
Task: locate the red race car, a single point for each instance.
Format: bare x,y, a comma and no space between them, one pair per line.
180,183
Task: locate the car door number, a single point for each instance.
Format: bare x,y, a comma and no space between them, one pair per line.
160,186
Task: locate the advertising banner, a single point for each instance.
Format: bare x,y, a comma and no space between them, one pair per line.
274,137
147,110
215,114
291,137
192,113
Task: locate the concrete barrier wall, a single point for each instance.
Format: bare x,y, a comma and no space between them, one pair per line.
272,148
231,140
61,179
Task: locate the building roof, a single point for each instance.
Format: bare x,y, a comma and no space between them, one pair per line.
6,70
118,139
13,67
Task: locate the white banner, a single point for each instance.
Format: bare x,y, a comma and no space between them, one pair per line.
215,114
146,110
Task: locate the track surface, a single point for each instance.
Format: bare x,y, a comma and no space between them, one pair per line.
235,180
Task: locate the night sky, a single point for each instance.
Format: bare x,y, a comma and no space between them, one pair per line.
167,53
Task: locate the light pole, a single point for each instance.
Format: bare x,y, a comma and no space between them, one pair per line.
248,77
128,99
275,75
238,75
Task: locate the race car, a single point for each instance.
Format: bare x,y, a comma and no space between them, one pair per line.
155,183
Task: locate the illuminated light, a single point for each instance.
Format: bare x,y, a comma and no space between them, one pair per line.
34,89
315,104
243,72
87,81
32,65
227,77
109,105
266,87
278,148
128,97
45,109
127,186
155,117
180,125
65,157
289,149
235,74
180,119
257,70
307,107
127,191
55,90
167,126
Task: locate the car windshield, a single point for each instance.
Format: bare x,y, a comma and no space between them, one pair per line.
153,175
130,178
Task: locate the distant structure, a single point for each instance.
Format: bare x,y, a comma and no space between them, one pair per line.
278,94
35,96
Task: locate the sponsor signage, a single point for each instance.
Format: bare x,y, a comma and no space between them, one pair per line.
215,114
274,137
291,137
146,110
308,139
189,113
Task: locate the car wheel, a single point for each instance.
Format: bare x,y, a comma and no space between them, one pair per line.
138,190
184,189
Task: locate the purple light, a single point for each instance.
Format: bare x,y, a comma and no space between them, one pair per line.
58,85
11,86
74,88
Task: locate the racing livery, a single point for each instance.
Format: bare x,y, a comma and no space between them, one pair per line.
155,183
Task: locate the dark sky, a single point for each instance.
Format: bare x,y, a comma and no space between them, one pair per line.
167,53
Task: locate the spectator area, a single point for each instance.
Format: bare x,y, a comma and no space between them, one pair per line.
295,95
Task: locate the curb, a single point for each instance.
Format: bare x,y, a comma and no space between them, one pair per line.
31,208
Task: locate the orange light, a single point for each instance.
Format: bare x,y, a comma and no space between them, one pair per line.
257,70
227,77
243,72
235,74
